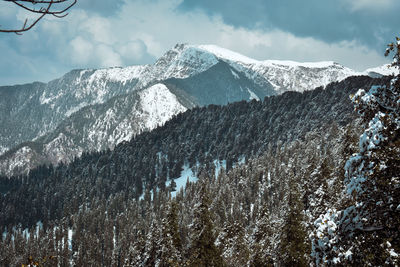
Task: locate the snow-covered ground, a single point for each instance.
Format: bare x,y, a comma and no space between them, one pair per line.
4,235
218,165
25,232
70,233
186,175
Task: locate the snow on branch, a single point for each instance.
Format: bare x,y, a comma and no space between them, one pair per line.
56,8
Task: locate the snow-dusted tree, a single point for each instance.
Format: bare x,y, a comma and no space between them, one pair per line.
203,251
171,245
261,254
232,242
367,231
137,249
294,249
152,247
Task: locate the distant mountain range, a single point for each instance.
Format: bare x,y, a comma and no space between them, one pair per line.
92,110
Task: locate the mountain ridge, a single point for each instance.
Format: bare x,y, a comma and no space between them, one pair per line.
196,75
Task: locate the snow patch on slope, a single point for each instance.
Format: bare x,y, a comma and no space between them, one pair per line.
159,105
186,175
235,75
218,165
118,74
62,148
75,108
253,95
227,54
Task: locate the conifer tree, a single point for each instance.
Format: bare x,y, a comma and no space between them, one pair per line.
232,242
261,248
294,249
367,231
171,245
203,251
152,247
373,176
137,248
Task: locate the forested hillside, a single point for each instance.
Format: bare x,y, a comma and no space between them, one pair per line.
243,212
196,137
100,210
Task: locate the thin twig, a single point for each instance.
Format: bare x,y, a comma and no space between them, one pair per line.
43,11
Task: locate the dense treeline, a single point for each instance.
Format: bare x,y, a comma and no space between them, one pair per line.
295,147
246,216
197,136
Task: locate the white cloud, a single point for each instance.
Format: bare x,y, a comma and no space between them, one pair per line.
107,57
98,29
81,51
132,51
85,53
285,46
143,30
165,27
371,5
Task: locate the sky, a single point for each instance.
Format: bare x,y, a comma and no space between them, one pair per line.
105,33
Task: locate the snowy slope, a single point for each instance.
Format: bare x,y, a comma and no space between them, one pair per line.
158,105
180,62
384,70
284,75
33,110
96,128
96,109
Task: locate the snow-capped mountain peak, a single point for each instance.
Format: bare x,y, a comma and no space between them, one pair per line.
182,61
284,75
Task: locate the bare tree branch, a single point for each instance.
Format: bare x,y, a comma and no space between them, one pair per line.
56,8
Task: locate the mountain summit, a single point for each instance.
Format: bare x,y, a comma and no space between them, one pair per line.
186,60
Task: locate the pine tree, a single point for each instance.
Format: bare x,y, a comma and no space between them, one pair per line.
373,176
171,245
137,249
294,249
232,242
152,247
261,247
367,231
203,251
